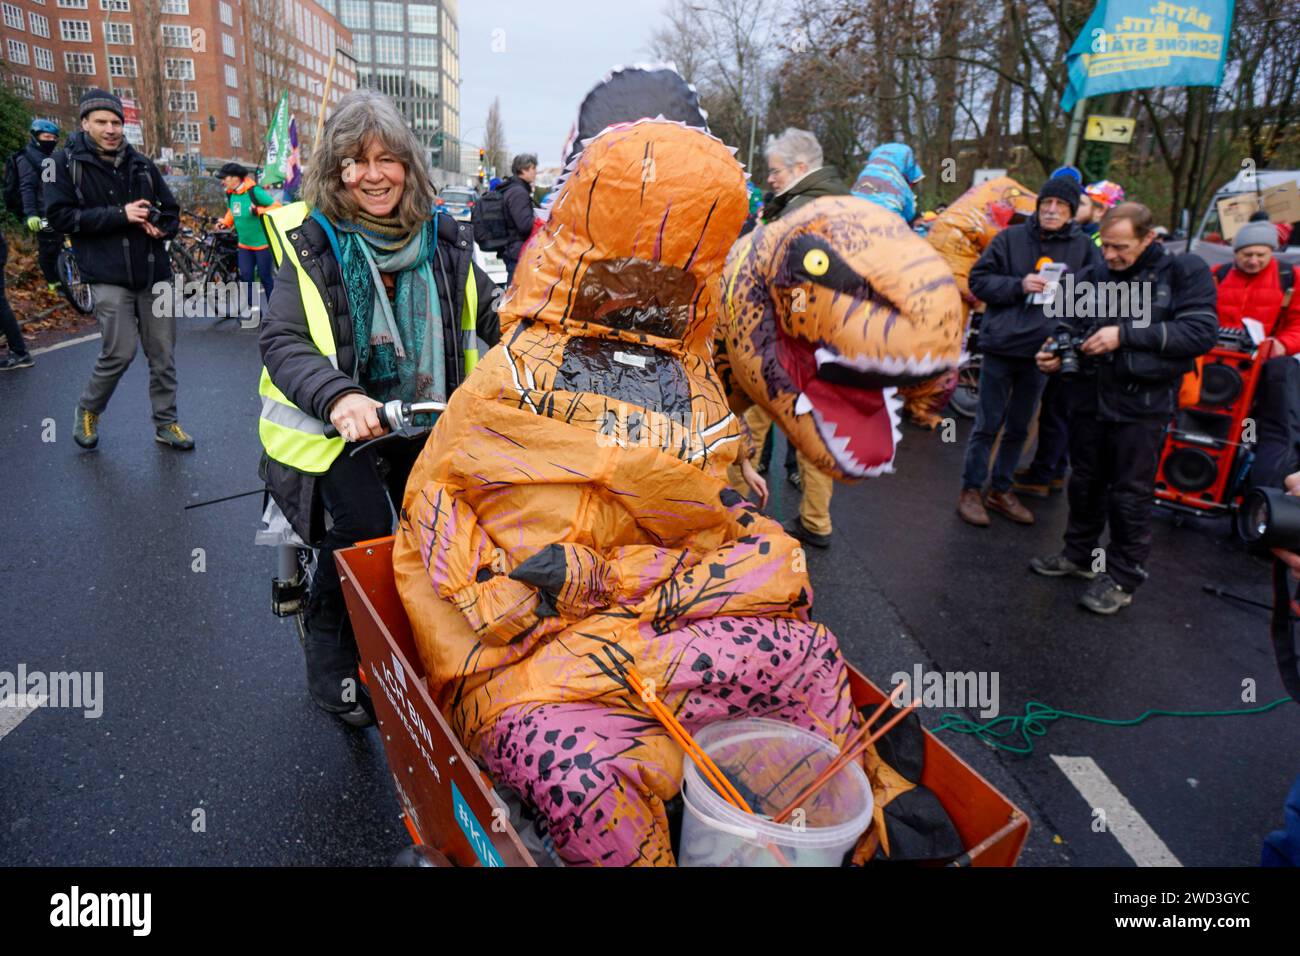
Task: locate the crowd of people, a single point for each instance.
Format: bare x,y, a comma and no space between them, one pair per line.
1101,424
364,275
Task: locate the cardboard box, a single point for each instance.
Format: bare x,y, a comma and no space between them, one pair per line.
1281,202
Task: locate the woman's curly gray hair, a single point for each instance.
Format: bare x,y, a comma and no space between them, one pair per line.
358,118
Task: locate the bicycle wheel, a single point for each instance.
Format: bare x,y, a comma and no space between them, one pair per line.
183,263
77,292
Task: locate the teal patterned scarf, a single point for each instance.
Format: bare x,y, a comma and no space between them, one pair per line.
399,344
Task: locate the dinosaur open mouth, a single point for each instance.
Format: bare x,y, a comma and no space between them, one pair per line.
854,402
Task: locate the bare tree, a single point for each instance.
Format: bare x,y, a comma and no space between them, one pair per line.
494,140
727,49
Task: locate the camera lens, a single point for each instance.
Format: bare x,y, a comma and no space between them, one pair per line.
1271,519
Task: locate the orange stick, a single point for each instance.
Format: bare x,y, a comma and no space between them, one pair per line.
707,767
846,757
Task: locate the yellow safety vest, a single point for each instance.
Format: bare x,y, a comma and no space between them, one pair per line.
289,435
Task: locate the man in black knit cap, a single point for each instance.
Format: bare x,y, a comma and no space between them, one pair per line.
117,208
1008,277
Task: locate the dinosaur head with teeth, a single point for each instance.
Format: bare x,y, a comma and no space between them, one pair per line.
827,312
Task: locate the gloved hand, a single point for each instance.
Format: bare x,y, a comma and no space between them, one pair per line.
34,223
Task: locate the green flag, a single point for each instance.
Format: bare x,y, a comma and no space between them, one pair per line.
277,144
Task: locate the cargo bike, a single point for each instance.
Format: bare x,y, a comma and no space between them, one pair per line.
450,807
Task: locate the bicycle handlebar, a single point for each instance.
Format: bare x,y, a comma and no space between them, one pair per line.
397,415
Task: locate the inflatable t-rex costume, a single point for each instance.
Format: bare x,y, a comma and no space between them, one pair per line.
960,234
569,515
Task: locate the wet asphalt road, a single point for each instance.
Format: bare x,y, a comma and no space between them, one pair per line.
209,752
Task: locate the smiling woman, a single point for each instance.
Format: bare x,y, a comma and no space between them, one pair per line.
376,299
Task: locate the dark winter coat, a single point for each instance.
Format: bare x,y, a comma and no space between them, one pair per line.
30,163
519,215
1012,325
824,181
306,376
1139,381
109,248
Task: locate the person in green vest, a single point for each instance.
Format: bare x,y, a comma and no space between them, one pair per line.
376,298
246,203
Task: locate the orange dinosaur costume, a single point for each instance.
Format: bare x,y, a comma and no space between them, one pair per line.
960,234
569,514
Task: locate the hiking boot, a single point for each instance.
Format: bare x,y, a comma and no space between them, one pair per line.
797,529
17,361
86,430
1104,596
331,655
795,478
1008,505
970,508
1027,484
1058,565
173,435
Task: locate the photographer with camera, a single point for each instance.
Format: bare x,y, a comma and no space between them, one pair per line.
116,207
1121,373
1012,278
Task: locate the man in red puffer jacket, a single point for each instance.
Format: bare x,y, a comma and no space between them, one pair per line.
1258,286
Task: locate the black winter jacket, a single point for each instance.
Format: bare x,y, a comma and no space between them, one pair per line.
109,248
30,163
1160,348
307,378
1012,326
519,214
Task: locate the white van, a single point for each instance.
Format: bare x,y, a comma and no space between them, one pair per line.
1207,241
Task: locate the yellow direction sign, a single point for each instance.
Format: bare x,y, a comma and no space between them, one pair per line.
1109,129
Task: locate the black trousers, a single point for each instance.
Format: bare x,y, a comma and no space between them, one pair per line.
355,493
49,245
1112,481
9,327
1277,418
1052,455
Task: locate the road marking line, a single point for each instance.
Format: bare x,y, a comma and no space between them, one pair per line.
64,345
14,710
1125,823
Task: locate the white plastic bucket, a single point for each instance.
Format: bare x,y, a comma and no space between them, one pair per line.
770,763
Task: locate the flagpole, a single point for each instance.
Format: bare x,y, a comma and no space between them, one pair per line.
1076,131
325,98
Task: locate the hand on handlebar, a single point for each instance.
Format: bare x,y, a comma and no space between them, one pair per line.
356,417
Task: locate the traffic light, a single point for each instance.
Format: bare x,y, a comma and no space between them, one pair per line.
212,123
482,156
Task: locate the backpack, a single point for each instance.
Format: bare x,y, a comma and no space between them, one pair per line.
13,196
13,186
491,226
1285,278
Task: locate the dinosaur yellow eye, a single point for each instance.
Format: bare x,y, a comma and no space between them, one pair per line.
816,262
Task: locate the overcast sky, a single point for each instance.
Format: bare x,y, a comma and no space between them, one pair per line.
553,54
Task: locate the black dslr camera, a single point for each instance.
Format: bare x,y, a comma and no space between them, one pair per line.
154,216
1065,344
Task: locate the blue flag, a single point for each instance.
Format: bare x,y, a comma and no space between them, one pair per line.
1136,44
